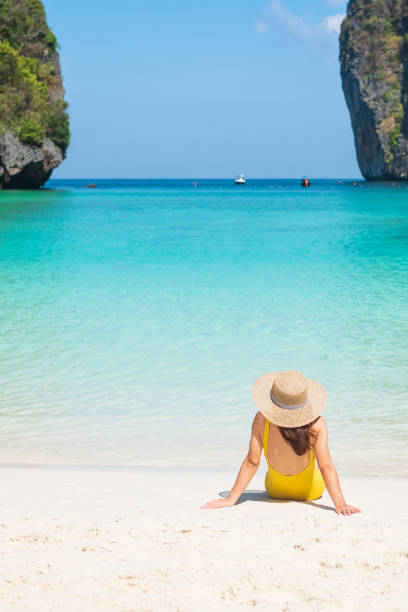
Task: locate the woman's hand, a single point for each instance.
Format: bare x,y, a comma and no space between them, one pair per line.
346,509
218,503
248,467
329,472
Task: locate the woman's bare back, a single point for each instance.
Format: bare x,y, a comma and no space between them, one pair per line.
281,455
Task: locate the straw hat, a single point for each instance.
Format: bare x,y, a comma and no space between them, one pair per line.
289,399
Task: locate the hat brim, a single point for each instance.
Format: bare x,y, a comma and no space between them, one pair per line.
261,394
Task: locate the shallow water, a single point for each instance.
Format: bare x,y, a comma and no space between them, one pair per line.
136,316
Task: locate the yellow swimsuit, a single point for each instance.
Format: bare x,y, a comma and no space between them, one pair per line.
306,485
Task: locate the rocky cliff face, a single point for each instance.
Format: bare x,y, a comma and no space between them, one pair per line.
374,71
34,130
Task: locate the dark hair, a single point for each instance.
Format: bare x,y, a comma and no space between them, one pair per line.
300,438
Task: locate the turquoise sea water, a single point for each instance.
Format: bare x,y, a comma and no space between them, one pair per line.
136,316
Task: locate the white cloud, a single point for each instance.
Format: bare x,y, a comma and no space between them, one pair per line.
298,26
262,26
332,23
342,3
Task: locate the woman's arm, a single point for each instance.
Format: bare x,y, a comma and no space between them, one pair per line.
248,468
328,470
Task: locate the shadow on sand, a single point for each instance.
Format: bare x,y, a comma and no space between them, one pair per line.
262,496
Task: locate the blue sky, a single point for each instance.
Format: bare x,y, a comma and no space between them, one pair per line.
203,89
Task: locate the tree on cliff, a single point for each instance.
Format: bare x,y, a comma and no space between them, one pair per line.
34,128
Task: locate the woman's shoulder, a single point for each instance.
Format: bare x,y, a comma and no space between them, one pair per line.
258,424
318,427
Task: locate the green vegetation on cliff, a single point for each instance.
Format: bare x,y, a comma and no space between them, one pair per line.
31,92
373,48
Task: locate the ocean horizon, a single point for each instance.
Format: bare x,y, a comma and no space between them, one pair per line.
137,315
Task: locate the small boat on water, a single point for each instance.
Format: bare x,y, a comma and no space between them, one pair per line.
240,180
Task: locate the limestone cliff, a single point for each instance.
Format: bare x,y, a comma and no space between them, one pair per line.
374,71
34,130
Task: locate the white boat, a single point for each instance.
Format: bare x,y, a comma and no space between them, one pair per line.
240,180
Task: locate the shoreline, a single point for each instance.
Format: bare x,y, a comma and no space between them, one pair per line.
138,540
178,469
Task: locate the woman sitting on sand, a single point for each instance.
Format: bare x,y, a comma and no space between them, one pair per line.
293,435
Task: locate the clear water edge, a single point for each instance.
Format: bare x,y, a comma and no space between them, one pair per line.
136,316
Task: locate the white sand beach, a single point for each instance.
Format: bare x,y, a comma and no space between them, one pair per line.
127,539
